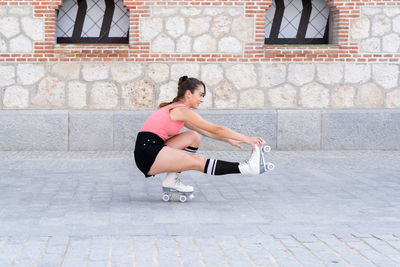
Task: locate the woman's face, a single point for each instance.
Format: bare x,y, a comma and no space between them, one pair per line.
197,97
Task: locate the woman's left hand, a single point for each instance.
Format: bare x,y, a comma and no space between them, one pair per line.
235,143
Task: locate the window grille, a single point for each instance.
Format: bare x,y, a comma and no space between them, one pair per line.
92,21
297,22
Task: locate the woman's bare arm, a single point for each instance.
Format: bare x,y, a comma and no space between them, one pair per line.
218,131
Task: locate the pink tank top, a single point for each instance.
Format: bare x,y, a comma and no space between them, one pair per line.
161,124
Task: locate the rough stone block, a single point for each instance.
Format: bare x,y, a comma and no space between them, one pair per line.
29,73
211,74
386,75
229,45
180,69
243,29
225,96
50,94
69,71
150,28
167,92
158,72
314,95
34,28
342,96
163,43
361,129
34,130
371,45
175,26
205,43
123,72
9,26
21,43
91,131
393,99
284,96
242,75
16,97
299,129
104,95
380,25
271,74
221,25
330,73
95,72
300,74
198,26
357,73
359,29
138,95
7,74
77,97
391,43
183,44
369,96
252,98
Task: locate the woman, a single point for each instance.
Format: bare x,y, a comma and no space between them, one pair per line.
161,148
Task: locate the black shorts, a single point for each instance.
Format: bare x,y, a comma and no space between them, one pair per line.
147,147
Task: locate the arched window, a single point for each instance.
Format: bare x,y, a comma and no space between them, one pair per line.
92,21
297,22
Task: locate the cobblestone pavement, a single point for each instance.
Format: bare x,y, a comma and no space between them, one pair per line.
336,208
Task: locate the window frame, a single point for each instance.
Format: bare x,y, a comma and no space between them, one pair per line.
301,31
104,31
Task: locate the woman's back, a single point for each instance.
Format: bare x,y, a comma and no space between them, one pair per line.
161,124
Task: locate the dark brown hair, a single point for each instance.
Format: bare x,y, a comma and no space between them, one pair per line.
184,84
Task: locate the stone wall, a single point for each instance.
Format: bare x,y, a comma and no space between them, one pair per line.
130,86
197,30
19,29
377,30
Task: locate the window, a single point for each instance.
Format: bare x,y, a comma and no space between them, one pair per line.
297,22
92,21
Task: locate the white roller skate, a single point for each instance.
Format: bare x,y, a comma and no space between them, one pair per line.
172,185
256,164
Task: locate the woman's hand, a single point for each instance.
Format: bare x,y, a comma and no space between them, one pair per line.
235,143
254,141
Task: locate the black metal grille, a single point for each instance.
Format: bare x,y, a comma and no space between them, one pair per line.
92,21
297,22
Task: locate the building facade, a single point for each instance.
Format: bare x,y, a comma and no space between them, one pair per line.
304,68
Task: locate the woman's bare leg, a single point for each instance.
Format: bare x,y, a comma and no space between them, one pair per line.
185,139
176,160
172,158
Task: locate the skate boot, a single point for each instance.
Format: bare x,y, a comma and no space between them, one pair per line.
256,164
172,186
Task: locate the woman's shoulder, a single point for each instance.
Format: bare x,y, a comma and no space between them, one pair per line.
175,105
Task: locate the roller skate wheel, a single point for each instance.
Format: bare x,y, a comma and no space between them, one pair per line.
166,197
266,149
191,196
182,198
270,166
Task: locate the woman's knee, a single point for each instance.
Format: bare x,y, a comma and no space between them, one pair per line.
198,162
195,138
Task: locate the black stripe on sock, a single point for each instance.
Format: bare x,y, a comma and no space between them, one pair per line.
191,149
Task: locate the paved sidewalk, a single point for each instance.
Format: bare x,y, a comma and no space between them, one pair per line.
337,208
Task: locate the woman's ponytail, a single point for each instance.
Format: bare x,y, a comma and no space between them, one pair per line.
184,84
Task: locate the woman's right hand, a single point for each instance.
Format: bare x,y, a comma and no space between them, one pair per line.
254,141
